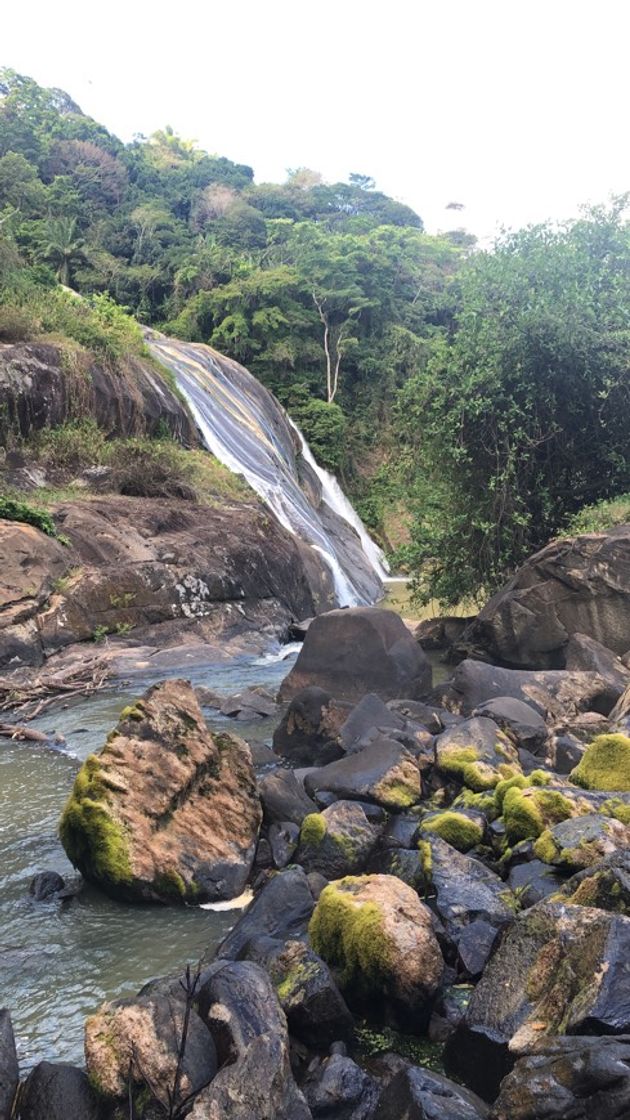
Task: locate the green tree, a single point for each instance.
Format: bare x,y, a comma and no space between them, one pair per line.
63,247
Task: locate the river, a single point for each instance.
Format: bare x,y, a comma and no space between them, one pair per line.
60,960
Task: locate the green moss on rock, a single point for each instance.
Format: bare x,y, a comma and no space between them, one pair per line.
456,829
313,829
465,764
527,813
92,838
605,764
349,935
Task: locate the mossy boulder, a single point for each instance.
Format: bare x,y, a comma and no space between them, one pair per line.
376,933
384,772
582,841
528,812
463,830
558,970
138,1041
605,885
477,754
605,765
336,842
166,812
316,1011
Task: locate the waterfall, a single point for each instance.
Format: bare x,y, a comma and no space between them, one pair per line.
247,430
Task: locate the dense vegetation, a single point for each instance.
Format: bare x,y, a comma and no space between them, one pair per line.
479,396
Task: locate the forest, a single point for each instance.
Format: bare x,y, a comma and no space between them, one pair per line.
472,400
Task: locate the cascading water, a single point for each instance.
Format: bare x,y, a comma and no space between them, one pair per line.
245,427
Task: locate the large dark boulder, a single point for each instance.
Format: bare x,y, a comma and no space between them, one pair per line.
9,1073
420,1094
336,842
166,812
574,585
364,649
476,753
520,721
568,1079
558,970
383,772
57,1091
584,653
282,909
240,1006
556,694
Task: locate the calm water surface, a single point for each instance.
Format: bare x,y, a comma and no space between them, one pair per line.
59,961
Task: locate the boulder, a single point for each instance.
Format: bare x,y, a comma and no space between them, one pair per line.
369,719
558,970
532,881
578,585
30,563
375,931
568,1079
605,765
284,798
239,1004
584,653
308,733
358,650
556,694
166,812
605,885
57,1091
316,1011
338,1089
282,909
9,1073
383,772
582,841
45,885
471,901
253,703
283,840
421,1094
139,1040
336,842
476,753
520,721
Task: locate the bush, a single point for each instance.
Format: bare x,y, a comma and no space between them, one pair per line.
601,516
71,447
17,324
145,468
13,510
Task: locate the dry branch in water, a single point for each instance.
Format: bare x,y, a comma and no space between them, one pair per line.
31,693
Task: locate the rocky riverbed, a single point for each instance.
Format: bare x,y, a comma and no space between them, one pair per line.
445,863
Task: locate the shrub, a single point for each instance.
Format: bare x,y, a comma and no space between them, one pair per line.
17,324
145,468
13,510
70,447
601,516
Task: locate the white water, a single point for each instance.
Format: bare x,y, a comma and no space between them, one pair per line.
334,496
246,429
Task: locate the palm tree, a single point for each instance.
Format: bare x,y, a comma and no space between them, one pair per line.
62,247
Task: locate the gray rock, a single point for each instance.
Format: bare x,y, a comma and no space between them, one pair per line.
521,721
284,798
343,843
362,649
383,772
282,909
57,1091
339,1090
9,1073
420,1094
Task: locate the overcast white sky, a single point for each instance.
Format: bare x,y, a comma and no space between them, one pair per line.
518,109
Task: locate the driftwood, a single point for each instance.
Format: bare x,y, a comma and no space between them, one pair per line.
31,693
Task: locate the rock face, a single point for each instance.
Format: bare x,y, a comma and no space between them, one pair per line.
579,585
559,970
167,571
166,812
364,649
377,933
36,391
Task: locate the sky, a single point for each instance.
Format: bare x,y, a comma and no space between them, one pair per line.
518,110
